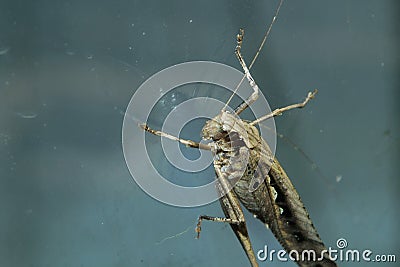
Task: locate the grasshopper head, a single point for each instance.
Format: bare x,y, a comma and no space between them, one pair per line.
219,126
229,126
213,129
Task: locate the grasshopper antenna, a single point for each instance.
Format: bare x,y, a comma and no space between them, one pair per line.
257,53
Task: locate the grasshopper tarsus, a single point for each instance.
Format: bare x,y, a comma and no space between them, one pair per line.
143,126
214,219
239,39
310,96
314,93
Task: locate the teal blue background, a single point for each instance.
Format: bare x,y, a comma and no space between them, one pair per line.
69,68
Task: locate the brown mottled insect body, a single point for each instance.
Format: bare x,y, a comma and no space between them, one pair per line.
243,161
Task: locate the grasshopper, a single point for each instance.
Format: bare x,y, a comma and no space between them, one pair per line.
244,162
